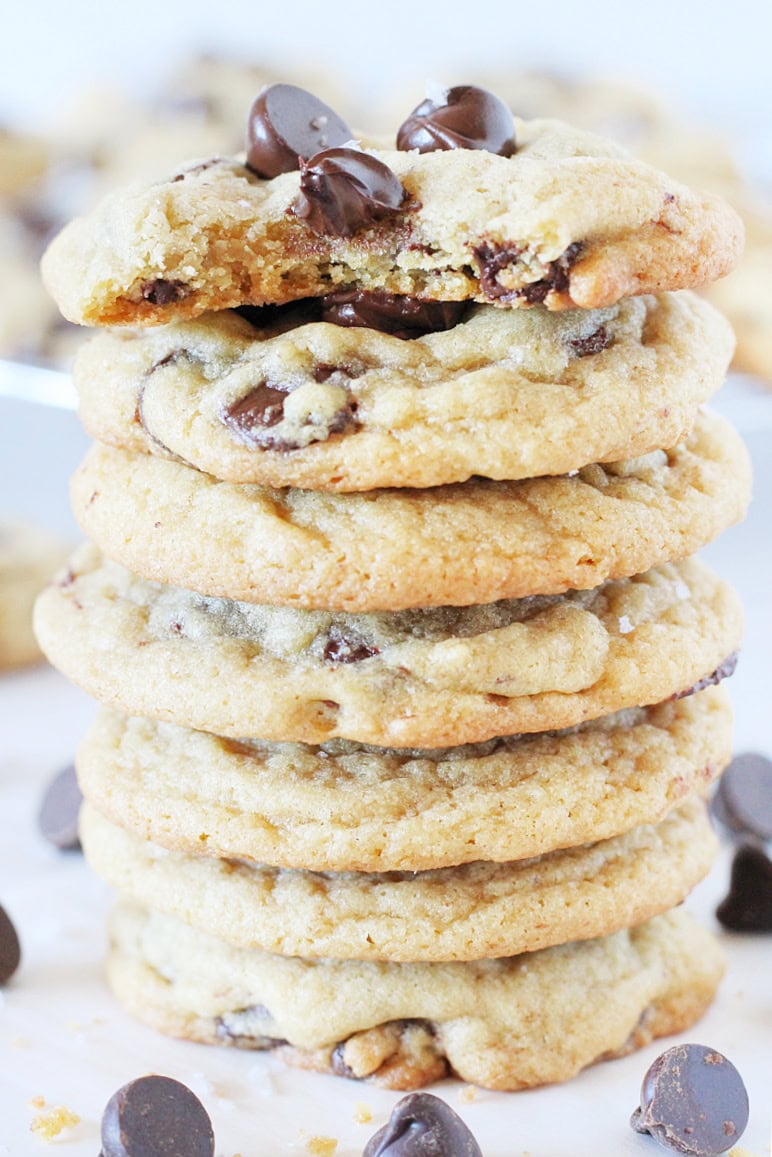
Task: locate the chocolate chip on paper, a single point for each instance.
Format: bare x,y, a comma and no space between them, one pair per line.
286,124
422,1125
156,1116
463,117
10,949
748,904
743,798
693,1101
59,809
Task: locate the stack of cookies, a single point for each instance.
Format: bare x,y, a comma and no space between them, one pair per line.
407,672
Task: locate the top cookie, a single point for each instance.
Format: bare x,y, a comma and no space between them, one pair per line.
569,220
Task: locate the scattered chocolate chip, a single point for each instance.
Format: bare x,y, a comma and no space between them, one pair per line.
156,1115
599,339
400,316
743,798
422,1125
10,949
162,292
342,190
748,904
286,125
693,1100
59,808
345,647
464,117
723,671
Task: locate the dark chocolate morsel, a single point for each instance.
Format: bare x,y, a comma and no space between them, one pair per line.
556,279
723,671
345,647
743,798
10,949
342,190
162,292
599,339
287,124
693,1100
260,409
338,1064
59,808
465,117
156,1116
391,313
748,904
422,1125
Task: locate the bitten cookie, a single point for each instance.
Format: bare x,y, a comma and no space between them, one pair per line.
428,678
284,400
510,1023
347,807
472,542
570,219
473,912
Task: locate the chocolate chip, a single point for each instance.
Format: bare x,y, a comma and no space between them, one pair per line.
599,339
422,1125
491,259
400,316
693,1100
748,904
743,798
286,125
253,417
59,808
723,671
162,292
342,190
10,949
156,1115
339,1066
556,279
464,117
346,647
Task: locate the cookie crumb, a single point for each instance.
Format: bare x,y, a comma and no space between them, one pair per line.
321,1146
52,1122
37,1102
467,1094
21,1042
362,1113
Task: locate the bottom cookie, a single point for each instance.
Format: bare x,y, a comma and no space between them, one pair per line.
508,1024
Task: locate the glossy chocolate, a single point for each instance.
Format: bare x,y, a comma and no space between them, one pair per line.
344,190
156,1115
693,1100
391,313
287,124
464,117
422,1125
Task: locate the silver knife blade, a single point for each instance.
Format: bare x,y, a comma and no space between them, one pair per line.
31,383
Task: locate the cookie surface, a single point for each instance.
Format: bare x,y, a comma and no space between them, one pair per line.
570,219
472,542
415,678
346,807
504,394
503,1024
473,912
29,556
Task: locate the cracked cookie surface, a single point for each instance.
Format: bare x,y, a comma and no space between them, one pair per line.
473,912
504,393
432,677
510,1023
570,220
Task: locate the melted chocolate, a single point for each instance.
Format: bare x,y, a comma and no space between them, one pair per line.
286,125
344,190
491,259
401,316
252,417
162,292
723,671
468,118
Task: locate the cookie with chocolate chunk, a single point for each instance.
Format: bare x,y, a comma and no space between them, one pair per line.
568,219
432,677
326,395
344,806
508,1023
29,556
470,542
472,912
